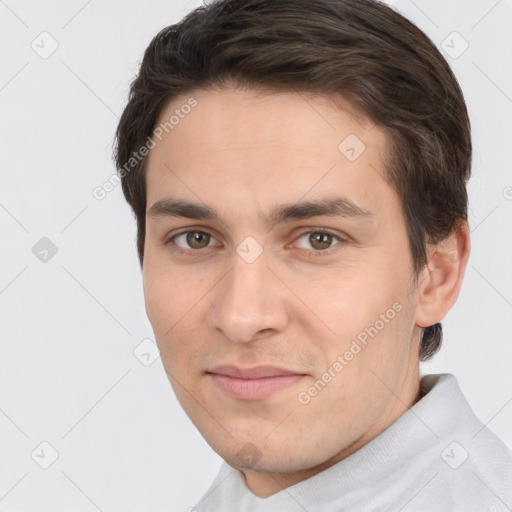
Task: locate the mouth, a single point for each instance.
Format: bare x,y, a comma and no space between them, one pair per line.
256,383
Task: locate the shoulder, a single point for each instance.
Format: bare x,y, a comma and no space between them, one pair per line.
466,466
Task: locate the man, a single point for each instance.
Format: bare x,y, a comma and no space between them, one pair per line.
298,174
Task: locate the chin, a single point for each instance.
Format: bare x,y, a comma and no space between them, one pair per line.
265,457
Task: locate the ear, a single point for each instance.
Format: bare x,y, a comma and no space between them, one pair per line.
440,282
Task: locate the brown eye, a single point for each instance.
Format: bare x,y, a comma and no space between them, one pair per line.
320,241
194,240
198,239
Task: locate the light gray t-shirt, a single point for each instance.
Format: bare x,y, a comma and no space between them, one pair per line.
438,456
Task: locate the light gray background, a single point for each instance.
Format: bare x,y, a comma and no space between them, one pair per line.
70,325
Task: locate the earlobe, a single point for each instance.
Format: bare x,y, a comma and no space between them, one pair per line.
439,285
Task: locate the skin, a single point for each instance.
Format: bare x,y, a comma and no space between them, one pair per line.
299,305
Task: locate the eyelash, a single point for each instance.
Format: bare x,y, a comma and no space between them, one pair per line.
313,252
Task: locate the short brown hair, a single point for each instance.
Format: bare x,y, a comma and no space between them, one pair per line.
362,50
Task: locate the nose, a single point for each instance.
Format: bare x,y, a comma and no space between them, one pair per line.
249,302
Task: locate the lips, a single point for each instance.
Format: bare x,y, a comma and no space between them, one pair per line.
257,372
256,383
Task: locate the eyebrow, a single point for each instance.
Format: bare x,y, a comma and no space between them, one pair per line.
335,207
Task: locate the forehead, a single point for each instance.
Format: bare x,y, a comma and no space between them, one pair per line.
233,116
266,147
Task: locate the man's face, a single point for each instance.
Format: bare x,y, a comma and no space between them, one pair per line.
267,283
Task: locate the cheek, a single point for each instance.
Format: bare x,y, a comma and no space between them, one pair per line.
348,303
166,300
168,293
369,310
159,301
175,309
